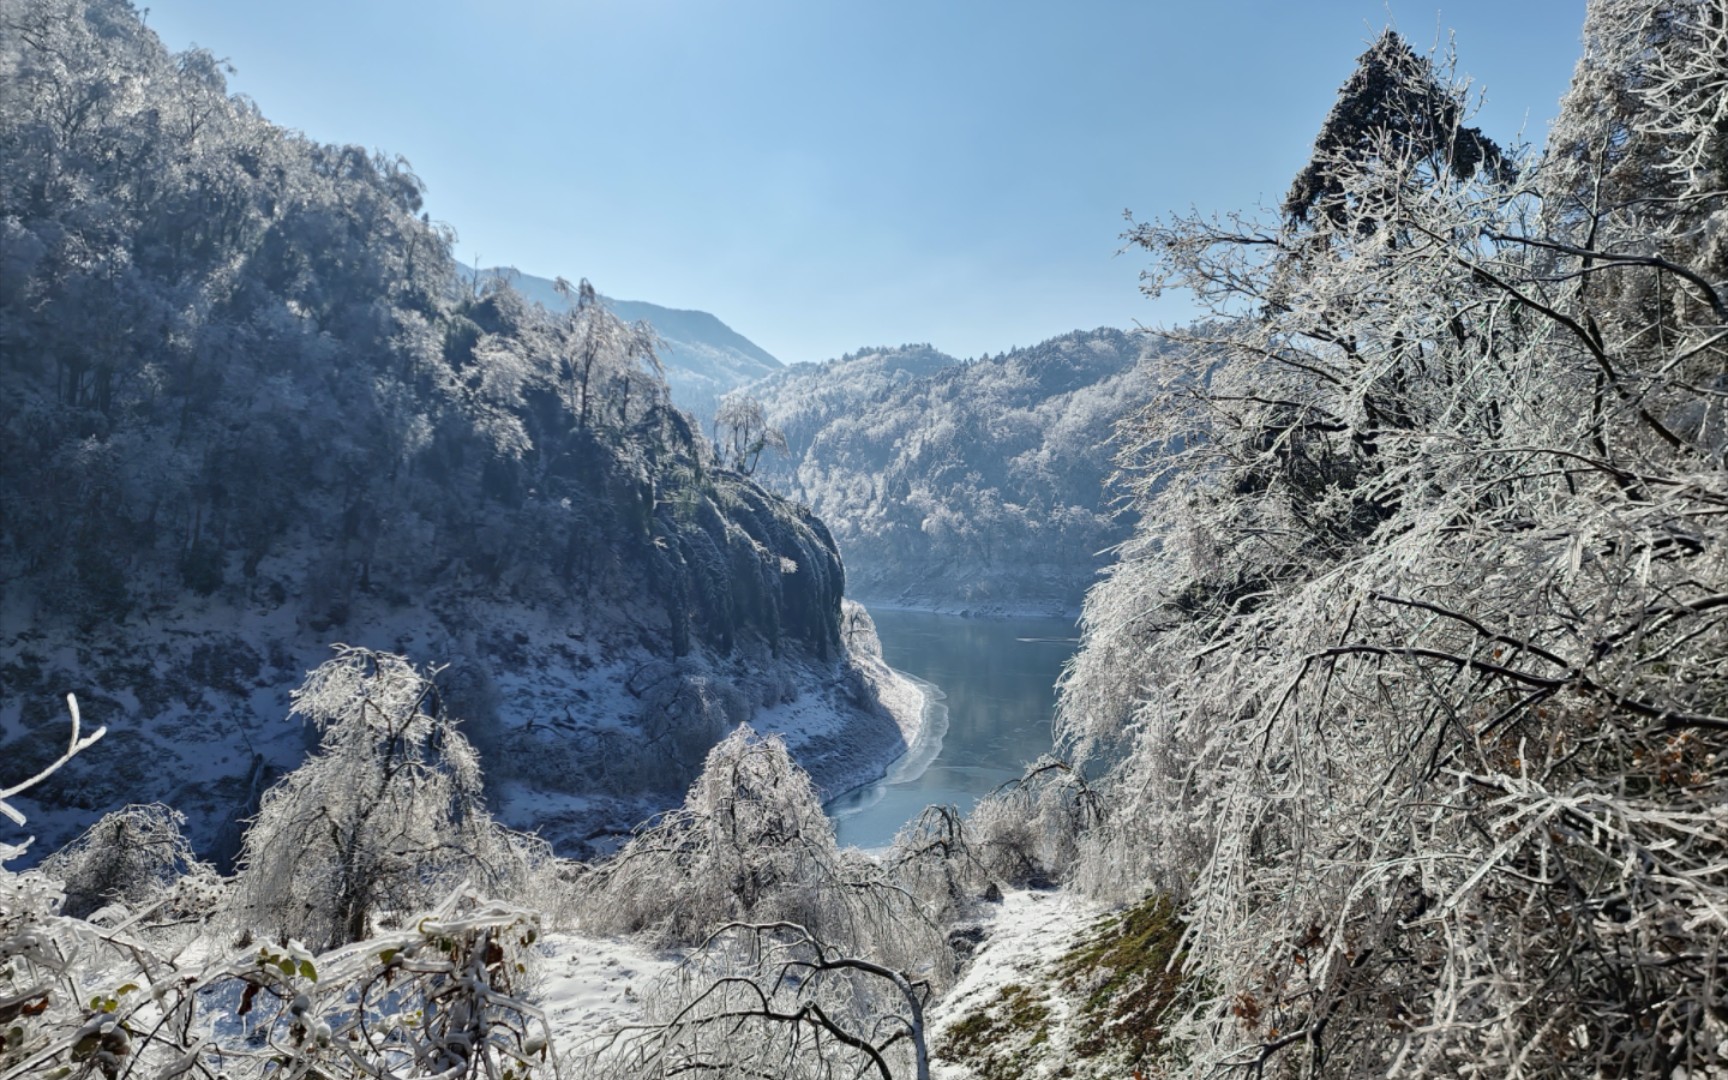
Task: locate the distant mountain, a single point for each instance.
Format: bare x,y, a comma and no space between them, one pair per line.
704,357
805,399
973,486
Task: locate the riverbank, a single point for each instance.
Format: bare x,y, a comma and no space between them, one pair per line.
849,742
989,686
921,752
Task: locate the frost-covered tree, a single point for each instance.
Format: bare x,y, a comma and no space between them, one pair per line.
1392,107
806,961
134,857
598,348
1423,721
443,997
384,816
1637,162
742,432
752,844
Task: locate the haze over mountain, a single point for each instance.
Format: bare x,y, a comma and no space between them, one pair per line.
703,357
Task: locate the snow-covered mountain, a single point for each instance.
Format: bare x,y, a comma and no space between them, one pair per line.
232,435
704,357
973,486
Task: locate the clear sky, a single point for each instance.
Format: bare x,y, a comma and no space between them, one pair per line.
830,174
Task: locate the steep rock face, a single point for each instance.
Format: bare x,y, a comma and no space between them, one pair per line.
246,412
971,486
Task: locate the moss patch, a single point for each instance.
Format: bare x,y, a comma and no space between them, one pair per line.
1125,980
997,1042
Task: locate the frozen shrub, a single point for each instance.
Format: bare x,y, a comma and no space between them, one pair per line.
1028,832
751,843
445,996
385,815
134,857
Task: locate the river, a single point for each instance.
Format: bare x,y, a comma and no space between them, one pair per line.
992,688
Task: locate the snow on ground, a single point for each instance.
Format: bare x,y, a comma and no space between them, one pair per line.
194,693
844,734
1032,930
589,986
903,697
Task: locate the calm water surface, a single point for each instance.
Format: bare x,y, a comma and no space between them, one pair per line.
992,682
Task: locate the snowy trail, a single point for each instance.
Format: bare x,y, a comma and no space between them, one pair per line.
592,985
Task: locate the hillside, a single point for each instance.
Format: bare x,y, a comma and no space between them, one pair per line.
246,412
703,357
973,486
1396,744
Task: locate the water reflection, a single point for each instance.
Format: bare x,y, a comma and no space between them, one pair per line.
996,680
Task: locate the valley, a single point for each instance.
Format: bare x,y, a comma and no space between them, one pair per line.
421,671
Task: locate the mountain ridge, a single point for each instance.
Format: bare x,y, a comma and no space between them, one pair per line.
704,358
972,486
252,429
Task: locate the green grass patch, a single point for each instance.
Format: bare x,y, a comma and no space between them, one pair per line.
1124,974
999,1041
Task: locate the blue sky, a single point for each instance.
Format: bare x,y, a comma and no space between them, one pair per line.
825,175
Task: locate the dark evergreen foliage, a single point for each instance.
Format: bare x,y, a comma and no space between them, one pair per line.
1391,102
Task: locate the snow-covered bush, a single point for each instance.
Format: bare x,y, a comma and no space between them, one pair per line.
1028,832
134,857
752,844
386,815
443,997
534,877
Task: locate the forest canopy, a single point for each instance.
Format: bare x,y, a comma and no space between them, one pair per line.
976,485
